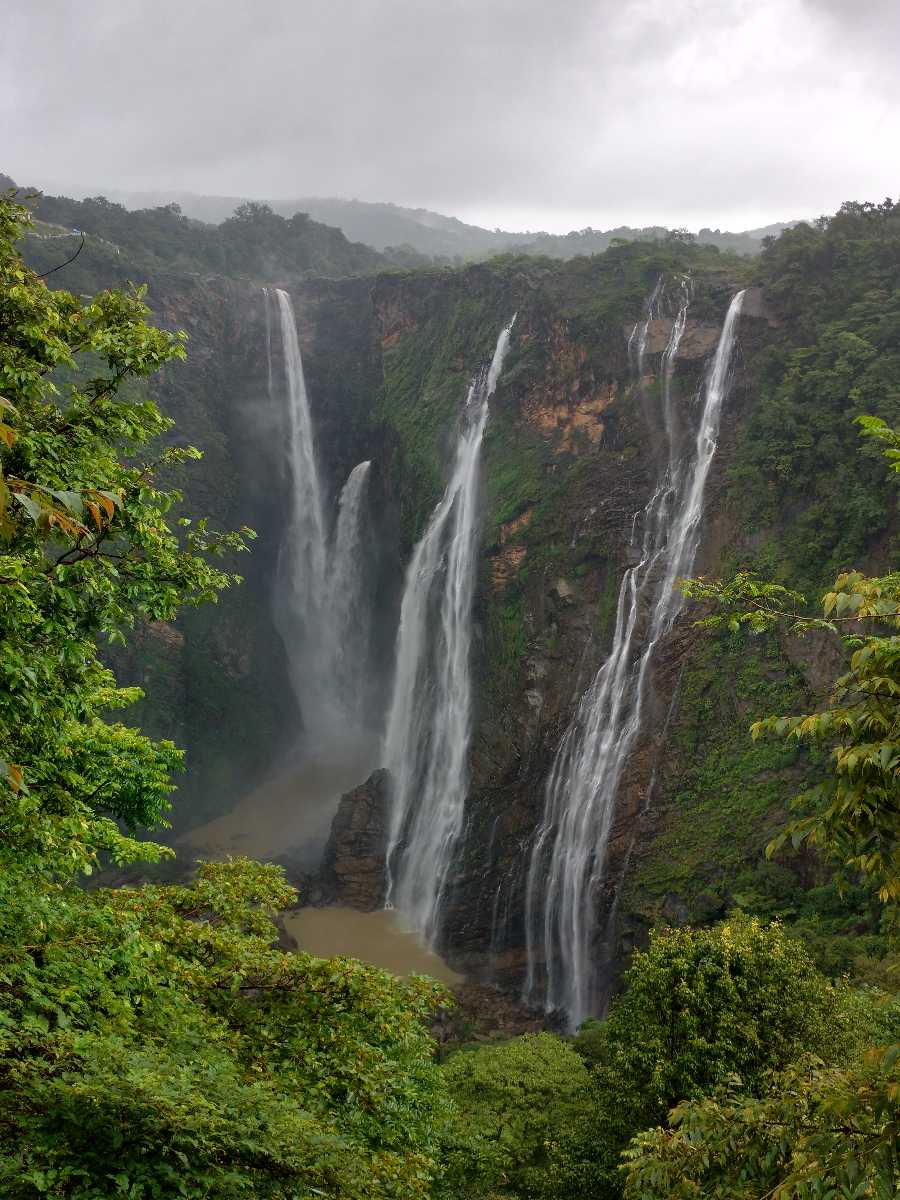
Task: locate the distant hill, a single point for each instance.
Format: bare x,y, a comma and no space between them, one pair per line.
595,241
380,226
327,236
391,227
253,243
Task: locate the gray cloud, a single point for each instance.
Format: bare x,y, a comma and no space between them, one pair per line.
526,114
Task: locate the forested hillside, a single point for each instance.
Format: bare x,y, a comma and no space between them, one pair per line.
158,1040
403,233
253,243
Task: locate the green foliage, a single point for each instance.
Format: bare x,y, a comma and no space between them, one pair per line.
86,550
426,376
724,793
520,1125
701,1004
254,243
153,1043
508,637
817,1132
515,468
854,813
835,355
812,1130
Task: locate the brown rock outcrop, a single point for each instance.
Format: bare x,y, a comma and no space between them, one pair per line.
563,419
697,342
353,865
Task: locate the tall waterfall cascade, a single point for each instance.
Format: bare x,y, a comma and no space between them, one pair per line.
320,603
348,626
569,849
427,740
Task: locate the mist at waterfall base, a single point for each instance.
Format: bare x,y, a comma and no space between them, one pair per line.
568,857
320,595
323,612
426,743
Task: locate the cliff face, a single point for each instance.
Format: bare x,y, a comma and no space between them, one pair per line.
572,452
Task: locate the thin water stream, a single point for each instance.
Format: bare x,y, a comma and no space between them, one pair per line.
568,857
427,740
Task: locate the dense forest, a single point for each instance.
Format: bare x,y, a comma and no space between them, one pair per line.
158,1040
254,242
268,240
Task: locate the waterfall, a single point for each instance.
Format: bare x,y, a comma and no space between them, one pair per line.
569,850
427,739
349,617
320,579
302,565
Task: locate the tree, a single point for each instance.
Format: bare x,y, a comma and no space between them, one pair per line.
699,1006
521,1121
817,1131
702,1004
153,1041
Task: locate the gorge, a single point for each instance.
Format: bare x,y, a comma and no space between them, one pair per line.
476,878
557,782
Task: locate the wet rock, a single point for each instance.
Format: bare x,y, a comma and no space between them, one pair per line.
819,654
675,910
353,865
563,592
481,1013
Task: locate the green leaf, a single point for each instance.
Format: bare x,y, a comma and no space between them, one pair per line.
31,506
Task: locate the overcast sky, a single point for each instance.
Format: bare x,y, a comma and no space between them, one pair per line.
517,113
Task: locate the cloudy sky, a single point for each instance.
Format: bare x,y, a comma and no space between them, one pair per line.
517,113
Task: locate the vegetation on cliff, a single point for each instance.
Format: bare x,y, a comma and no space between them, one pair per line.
823,1123
730,1066
801,501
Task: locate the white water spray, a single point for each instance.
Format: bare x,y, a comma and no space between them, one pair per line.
427,740
569,851
302,565
348,626
319,594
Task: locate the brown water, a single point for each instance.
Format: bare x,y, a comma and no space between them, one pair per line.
288,814
378,938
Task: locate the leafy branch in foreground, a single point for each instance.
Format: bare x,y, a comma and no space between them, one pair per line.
86,550
854,815
817,1131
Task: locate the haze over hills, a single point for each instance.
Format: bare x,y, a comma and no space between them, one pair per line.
384,226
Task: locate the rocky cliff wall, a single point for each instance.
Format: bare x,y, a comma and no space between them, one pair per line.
571,454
